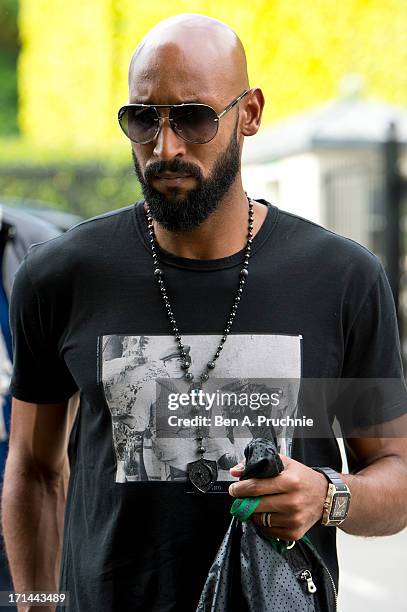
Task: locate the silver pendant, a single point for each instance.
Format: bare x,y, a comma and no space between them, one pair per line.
202,473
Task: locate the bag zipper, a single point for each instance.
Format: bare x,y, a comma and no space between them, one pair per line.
333,585
307,576
322,562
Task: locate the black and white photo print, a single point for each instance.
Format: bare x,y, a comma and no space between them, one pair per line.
155,438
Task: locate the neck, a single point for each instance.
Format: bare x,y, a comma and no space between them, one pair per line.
221,235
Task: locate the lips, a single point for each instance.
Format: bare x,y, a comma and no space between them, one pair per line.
170,177
171,180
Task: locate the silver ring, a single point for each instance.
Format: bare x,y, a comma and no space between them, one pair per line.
265,519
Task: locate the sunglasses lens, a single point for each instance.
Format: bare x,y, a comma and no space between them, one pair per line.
138,123
194,123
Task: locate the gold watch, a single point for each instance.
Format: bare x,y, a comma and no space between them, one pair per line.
336,505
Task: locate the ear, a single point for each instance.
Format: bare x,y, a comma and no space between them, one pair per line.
251,115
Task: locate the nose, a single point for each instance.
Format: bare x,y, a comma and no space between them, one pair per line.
167,144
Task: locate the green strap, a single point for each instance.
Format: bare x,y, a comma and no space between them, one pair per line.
244,508
307,541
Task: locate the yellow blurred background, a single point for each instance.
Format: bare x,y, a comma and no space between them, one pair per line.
72,70
65,76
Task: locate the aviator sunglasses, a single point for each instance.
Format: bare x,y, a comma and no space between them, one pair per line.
193,122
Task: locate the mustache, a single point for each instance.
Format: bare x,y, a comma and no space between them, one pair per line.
175,165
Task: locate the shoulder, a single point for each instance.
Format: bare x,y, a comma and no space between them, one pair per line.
327,253
69,252
93,229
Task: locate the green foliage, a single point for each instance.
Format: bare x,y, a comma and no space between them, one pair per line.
8,25
9,47
86,189
8,95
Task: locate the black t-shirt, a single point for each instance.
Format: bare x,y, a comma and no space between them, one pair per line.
87,315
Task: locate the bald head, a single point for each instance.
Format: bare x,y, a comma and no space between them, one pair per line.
185,59
188,57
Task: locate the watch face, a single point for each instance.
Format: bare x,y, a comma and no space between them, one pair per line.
339,506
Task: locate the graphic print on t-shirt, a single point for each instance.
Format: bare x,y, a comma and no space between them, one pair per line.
138,371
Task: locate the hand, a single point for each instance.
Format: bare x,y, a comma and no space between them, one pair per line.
295,498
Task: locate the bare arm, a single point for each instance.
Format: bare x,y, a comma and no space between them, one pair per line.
379,488
34,493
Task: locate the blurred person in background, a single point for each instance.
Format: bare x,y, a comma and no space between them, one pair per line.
18,230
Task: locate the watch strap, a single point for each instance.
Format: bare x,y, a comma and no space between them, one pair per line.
332,477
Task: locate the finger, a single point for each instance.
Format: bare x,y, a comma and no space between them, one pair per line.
277,519
237,470
260,486
283,533
279,502
287,461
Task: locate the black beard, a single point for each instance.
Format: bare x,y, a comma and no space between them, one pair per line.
188,213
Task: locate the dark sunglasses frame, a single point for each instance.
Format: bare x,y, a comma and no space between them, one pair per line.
217,117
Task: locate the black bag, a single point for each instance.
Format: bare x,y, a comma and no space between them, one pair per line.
254,573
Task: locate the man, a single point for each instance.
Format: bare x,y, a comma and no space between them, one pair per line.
254,291
173,362
18,230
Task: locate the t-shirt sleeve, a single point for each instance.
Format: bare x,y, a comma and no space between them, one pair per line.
39,375
375,390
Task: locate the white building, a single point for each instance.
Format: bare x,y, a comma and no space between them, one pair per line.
328,165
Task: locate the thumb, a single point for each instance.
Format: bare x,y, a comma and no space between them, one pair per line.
239,467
